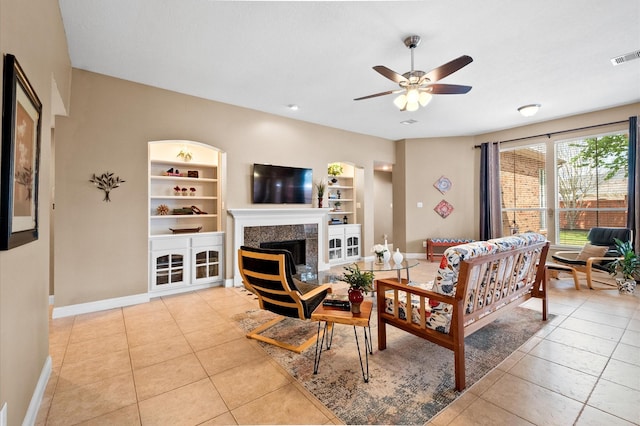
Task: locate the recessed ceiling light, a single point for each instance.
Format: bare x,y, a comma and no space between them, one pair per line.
293,107
410,121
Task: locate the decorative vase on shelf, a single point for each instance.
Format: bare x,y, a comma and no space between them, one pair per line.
355,297
397,257
386,256
319,202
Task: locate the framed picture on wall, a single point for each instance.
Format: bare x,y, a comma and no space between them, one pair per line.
21,122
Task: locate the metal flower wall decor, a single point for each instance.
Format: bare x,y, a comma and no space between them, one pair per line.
106,182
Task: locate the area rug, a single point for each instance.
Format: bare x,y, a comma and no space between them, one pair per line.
410,381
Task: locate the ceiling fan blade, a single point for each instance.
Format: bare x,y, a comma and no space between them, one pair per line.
390,74
448,89
379,94
449,68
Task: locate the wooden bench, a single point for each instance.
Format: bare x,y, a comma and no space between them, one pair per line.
443,242
486,286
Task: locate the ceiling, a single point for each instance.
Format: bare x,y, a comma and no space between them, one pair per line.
319,55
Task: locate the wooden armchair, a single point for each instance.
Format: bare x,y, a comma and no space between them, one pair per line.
596,256
268,273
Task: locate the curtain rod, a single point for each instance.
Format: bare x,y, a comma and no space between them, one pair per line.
559,132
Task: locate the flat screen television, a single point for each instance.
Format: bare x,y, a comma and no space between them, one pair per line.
281,185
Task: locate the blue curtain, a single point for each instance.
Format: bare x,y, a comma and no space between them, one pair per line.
633,212
490,199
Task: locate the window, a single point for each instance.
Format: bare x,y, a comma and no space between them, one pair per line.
585,180
523,182
592,185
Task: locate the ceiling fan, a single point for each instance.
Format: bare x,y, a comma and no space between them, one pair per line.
417,87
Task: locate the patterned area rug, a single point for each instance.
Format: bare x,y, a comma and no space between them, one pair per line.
410,381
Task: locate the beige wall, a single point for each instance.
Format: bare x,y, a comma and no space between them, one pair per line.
383,220
101,248
425,160
32,31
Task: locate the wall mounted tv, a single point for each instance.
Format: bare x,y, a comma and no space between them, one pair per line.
281,185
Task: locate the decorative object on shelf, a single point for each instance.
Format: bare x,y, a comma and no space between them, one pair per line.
162,210
334,169
192,191
338,194
106,182
345,220
320,188
185,230
185,154
398,257
172,172
183,210
21,122
379,250
193,174
184,192
176,190
444,209
196,210
337,205
443,184
359,282
625,268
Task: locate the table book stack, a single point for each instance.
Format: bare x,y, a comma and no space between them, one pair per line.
337,301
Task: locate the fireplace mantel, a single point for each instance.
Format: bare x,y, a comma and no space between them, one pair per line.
273,217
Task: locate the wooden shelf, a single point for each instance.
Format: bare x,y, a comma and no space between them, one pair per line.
183,179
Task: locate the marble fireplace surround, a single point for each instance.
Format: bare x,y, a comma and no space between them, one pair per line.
285,218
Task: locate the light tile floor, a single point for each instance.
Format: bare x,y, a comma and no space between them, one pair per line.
181,360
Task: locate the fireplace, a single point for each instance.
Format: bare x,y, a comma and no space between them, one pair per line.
296,247
254,227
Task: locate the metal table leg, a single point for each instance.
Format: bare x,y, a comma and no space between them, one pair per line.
368,349
320,343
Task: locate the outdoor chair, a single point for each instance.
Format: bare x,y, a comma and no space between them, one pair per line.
268,273
596,255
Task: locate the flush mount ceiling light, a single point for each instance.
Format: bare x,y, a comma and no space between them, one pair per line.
293,107
417,87
529,110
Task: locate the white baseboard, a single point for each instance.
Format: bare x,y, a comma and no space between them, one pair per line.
38,394
100,305
51,300
3,415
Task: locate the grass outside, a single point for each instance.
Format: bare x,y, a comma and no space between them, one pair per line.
573,237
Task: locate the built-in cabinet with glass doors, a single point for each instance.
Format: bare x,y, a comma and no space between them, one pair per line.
186,243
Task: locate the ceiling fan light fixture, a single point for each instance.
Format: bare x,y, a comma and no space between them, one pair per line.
400,101
425,98
412,106
529,110
413,96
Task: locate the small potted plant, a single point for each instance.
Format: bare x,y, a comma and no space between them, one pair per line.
192,191
337,205
184,192
626,268
176,190
359,282
320,187
334,169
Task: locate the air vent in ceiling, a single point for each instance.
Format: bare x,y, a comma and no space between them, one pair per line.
625,58
410,121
